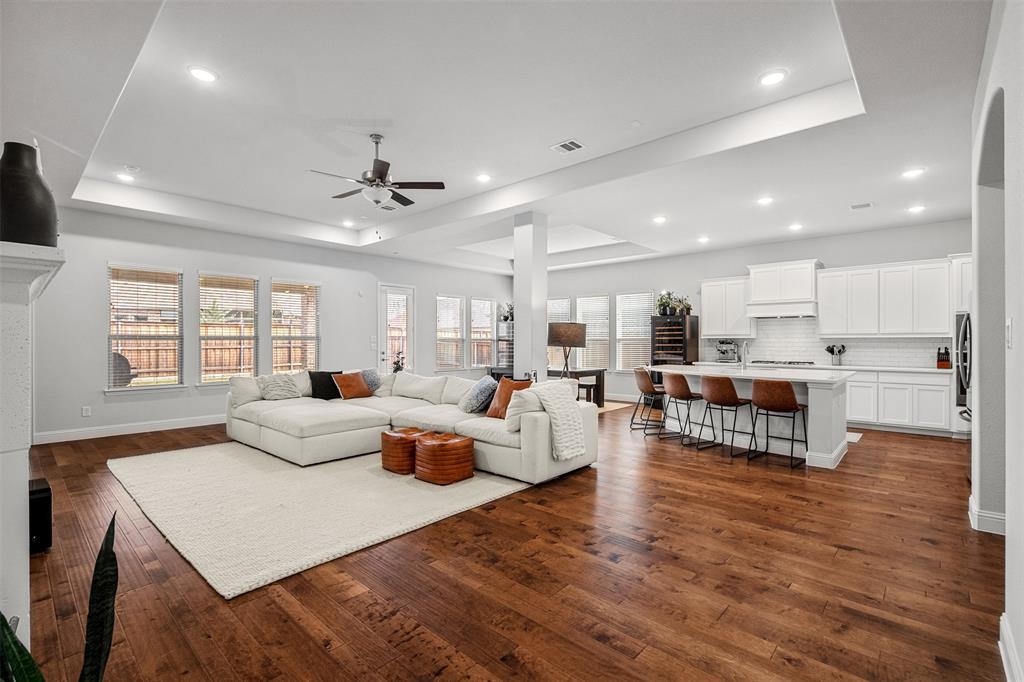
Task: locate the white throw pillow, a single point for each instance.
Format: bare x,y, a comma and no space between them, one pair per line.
527,400
278,387
302,382
244,390
455,389
411,385
387,383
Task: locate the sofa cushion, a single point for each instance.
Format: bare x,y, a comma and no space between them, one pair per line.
502,396
323,385
251,412
352,385
387,383
432,417
455,389
390,405
489,430
278,387
318,419
411,385
527,400
479,396
244,390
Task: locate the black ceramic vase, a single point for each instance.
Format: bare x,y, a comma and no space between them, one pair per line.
28,214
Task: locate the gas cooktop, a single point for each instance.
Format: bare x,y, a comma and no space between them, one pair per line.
781,362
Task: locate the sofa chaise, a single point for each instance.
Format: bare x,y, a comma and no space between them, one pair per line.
307,430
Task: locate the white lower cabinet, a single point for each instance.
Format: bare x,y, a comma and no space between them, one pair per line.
895,404
862,401
900,399
931,407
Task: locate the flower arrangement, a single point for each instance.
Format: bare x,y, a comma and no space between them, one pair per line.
684,305
666,303
508,312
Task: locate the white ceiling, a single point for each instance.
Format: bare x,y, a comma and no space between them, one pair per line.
463,88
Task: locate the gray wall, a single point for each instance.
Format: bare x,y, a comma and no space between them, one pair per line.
682,274
71,320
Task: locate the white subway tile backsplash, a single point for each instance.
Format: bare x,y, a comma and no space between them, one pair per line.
797,339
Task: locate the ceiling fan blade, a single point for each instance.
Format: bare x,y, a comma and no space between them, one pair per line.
418,185
401,199
335,175
380,169
346,194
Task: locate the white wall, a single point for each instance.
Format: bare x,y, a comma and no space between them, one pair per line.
71,320
682,274
1002,68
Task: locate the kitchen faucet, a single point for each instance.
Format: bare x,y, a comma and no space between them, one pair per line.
743,355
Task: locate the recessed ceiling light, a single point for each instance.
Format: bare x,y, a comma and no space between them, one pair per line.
483,177
913,173
703,239
124,177
796,227
774,77
636,124
347,223
915,209
132,169
765,201
201,73
659,220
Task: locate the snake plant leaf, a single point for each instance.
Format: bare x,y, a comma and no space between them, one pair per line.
16,663
99,628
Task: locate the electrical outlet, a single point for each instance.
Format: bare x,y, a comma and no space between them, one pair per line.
86,411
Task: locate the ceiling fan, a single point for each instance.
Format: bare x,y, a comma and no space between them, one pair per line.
378,187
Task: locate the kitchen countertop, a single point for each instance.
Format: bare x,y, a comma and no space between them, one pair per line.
851,368
783,373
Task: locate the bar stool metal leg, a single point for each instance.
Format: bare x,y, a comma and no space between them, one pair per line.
704,444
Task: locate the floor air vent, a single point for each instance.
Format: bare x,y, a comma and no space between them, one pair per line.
567,147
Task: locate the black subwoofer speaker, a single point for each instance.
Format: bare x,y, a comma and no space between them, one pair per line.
40,515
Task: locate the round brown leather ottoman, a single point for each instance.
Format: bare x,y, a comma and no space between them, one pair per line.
398,449
444,458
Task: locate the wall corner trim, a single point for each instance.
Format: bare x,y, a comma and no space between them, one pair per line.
986,522
1008,652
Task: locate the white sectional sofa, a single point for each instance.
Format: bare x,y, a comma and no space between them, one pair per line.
308,430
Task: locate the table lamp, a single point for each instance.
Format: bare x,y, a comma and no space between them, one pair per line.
567,335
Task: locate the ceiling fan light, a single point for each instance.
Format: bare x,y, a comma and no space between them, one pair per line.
377,195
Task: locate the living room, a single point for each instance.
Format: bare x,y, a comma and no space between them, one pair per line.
546,340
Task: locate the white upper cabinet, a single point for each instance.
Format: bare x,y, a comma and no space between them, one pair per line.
783,289
905,299
962,277
723,308
932,314
896,300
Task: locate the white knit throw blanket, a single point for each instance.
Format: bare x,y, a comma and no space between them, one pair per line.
559,400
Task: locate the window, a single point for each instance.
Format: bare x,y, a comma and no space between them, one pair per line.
295,326
145,328
593,311
559,310
450,340
397,304
227,327
633,329
481,332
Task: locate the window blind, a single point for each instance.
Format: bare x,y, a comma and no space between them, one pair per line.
450,341
396,308
633,329
228,327
481,336
295,326
559,310
145,335
593,311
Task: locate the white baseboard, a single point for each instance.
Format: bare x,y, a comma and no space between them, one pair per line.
986,521
895,428
1008,652
62,435
621,397
828,460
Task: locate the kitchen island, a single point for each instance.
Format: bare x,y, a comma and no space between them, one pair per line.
823,391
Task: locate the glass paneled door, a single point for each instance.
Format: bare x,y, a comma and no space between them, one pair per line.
396,313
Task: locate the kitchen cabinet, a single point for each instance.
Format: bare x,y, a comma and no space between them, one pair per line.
833,302
895,404
790,281
931,407
912,399
848,302
896,300
962,277
932,314
862,401
723,308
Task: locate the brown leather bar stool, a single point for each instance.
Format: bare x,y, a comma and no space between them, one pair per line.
777,399
649,392
677,390
720,393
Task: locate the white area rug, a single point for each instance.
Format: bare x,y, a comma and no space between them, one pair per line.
853,437
244,519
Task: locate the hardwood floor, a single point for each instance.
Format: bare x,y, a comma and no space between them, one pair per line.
663,563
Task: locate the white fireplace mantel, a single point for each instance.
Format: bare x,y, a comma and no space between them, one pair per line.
25,271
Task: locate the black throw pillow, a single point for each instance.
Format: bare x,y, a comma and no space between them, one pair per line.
323,385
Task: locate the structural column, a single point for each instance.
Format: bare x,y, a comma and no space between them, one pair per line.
24,272
530,294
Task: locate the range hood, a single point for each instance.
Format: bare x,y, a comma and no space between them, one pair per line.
788,289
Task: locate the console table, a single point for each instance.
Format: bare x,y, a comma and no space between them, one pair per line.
498,372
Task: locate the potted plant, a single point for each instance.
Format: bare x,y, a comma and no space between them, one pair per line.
684,305
666,303
398,364
508,312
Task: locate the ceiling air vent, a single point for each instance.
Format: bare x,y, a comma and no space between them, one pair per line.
567,147
857,207
385,207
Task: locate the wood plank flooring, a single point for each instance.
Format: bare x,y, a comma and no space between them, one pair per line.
662,563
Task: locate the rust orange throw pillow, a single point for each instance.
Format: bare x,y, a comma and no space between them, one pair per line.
352,385
502,396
